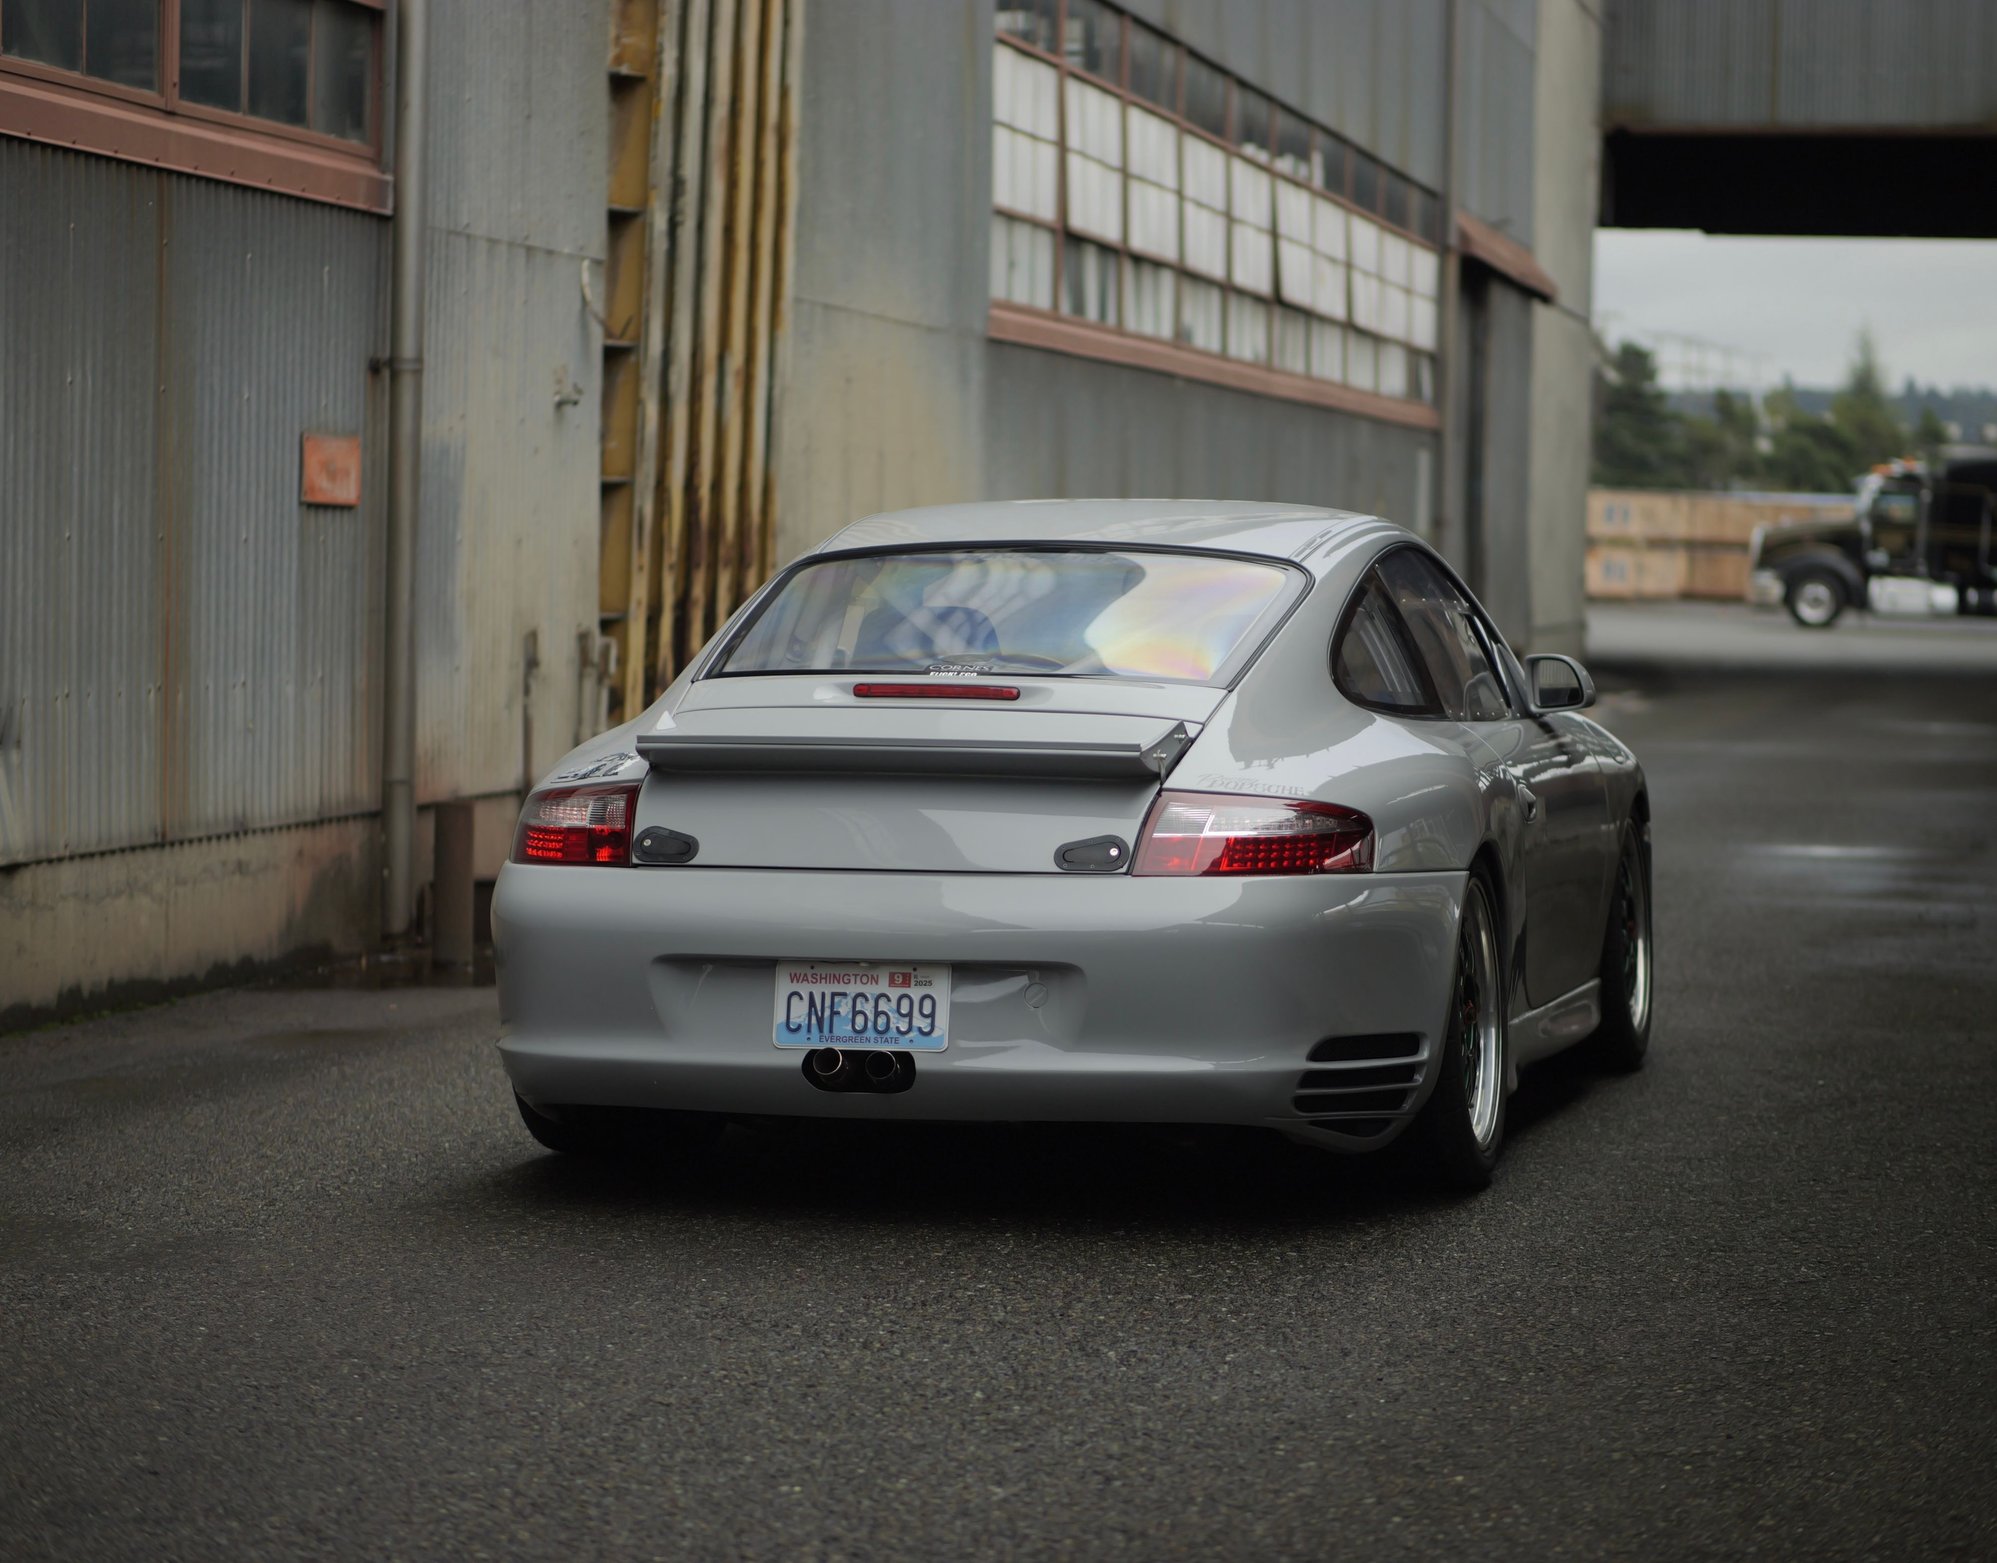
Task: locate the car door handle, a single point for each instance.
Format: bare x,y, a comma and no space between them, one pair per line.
1528,804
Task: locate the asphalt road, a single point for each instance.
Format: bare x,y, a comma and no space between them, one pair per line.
281,1275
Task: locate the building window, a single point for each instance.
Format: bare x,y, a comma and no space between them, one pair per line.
283,94
1141,188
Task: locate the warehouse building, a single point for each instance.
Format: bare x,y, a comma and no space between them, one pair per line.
393,393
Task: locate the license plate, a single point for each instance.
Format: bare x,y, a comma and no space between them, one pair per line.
848,1004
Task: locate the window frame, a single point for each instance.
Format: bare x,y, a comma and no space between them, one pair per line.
1480,626
1486,632
1398,628
1036,326
161,129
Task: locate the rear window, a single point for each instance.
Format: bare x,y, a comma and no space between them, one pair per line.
1188,618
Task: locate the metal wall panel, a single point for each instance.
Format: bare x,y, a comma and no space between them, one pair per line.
79,613
1081,428
507,541
1372,70
896,395
516,121
185,649
507,544
1495,113
1801,64
1505,562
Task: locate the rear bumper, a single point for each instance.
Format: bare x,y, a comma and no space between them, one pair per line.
1073,998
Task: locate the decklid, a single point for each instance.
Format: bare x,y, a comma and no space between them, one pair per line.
802,773
918,739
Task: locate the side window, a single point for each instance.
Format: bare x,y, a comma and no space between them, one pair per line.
1446,636
1373,664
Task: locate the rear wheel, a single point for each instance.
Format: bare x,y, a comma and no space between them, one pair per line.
621,1133
1815,598
1627,972
1462,1127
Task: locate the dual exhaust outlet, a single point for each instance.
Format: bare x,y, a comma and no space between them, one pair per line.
862,1069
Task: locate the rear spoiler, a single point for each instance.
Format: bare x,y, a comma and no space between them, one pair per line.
1105,756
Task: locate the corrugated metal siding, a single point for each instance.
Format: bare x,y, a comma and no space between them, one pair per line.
1073,427
1801,64
507,542
1494,126
187,649
1372,71
508,538
1507,557
517,135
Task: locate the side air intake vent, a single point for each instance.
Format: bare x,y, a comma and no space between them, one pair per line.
1370,1075
1363,1050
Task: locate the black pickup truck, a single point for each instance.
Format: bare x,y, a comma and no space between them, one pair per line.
1918,546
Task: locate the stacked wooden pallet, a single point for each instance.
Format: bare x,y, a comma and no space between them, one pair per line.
1658,544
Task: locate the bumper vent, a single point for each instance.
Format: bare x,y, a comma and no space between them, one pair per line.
1364,1050
1373,1075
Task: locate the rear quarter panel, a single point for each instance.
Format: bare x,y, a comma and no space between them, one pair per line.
1286,732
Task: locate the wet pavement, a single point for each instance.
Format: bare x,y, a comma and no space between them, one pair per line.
283,1276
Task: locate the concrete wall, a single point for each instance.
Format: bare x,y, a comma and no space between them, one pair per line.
79,933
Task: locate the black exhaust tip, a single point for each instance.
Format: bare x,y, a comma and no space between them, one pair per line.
877,1070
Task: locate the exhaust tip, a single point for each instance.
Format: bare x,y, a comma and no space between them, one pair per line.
883,1068
826,1062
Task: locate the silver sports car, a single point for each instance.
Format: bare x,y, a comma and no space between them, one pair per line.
1121,810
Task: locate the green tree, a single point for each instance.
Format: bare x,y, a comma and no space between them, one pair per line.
1719,451
1863,411
1638,438
1807,454
1930,434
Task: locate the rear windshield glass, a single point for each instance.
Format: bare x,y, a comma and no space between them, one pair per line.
1181,617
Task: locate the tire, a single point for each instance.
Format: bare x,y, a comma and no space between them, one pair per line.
1461,1128
1815,598
610,1133
1629,970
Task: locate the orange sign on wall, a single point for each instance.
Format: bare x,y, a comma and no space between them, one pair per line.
331,470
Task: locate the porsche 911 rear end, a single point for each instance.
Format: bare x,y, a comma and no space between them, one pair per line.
916,842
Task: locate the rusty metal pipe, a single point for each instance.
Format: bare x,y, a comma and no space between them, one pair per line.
405,433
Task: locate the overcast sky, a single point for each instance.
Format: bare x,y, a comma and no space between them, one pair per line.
1795,306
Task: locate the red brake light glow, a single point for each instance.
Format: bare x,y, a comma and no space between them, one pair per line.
580,825
1222,833
936,691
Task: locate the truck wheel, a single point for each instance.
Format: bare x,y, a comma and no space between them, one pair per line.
1815,598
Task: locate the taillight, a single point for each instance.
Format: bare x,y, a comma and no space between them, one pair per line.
589,825
1221,833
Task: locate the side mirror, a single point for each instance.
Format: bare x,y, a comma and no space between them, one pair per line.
1559,683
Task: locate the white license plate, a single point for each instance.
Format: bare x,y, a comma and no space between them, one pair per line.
871,1005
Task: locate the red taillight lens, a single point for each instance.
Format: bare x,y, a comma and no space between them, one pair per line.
936,691
1220,833
577,825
